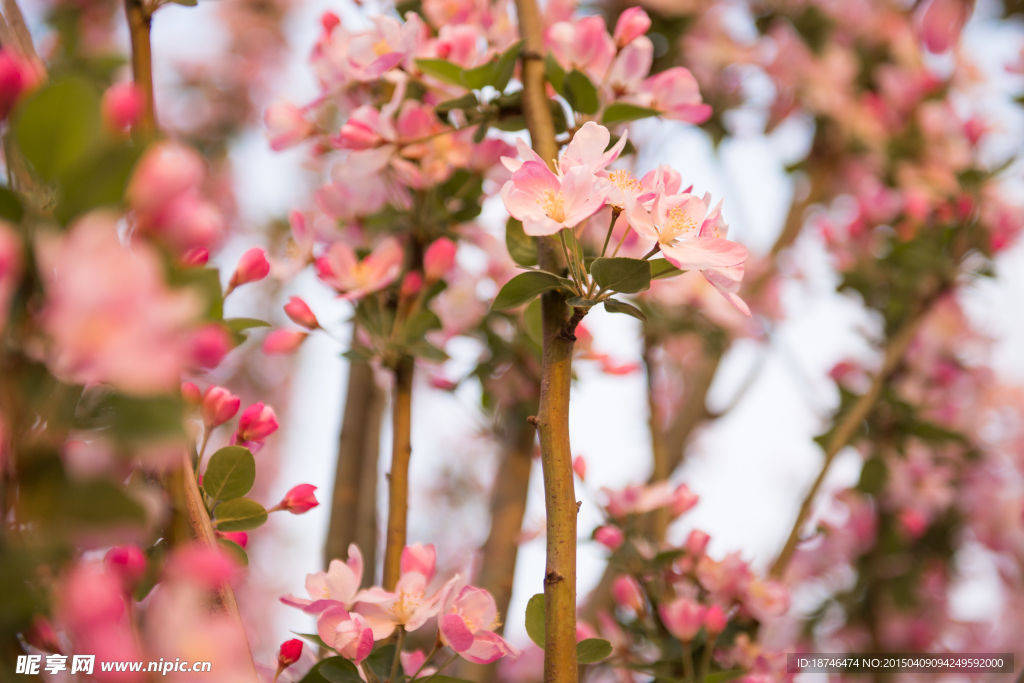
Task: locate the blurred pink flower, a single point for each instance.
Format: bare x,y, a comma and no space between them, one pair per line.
128,563
610,537
122,105
682,617
287,125
632,23
252,267
675,93
583,44
353,278
627,592
300,313
283,342
438,259
940,22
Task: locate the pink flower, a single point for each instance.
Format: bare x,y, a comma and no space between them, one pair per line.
408,605
208,345
300,313
697,542
128,563
438,259
219,405
913,521
348,633
166,170
626,592
675,93
17,76
632,24
252,267
339,585
467,626
191,395
239,537
579,466
421,559
412,283
638,499
283,342
363,129
298,500
258,421
357,187
583,45
682,617
122,104
631,67
196,257
766,599
289,653
341,57
715,620
10,267
610,537
353,278
286,125
940,22
205,565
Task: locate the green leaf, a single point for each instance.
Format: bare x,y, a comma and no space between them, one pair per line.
618,112
207,281
419,324
724,676
337,670
236,551
185,3
478,76
313,638
10,206
523,288
521,247
580,93
134,418
97,179
663,268
446,679
613,306
580,302
380,660
533,323
57,125
505,67
240,514
230,473
442,70
535,619
466,102
555,74
620,274
241,324
592,650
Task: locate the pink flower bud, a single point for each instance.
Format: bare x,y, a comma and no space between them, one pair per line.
682,617
166,170
122,104
940,22
579,466
411,285
632,24
219,406
913,522
626,592
196,257
697,542
289,653
208,345
128,563
682,500
300,313
299,499
283,342
258,421
438,259
17,76
207,566
42,636
610,537
253,266
329,20
715,620
239,537
190,394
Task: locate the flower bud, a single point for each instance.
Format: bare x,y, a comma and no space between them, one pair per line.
329,20
438,259
289,653
219,406
682,500
165,171
191,395
610,537
697,542
283,342
253,266
626,592
209,344
300,313
940,22
197,257
579,466
239,537
632,24
715,620
299,499
258,421
128,563
682,617
17,76
122,105
411,285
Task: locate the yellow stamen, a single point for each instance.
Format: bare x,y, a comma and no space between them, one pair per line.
553,205
678,224
623,180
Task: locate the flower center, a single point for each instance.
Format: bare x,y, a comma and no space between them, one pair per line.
624,181
381,48
678,224
553,205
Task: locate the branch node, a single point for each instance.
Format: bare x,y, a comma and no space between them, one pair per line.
579,504
533,420
553,577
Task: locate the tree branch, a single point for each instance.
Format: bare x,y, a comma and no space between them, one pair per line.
398,479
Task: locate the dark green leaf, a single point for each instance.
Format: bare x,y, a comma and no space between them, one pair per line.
621,111
521,247
466,102
481,132
97,179
613,306
236,551
380,660
419,324
10,206
578,301
872,476
535,619
555,74
592,650
313,638
441,69
523,288
533,322
506,66
620,274
230,473
662,268
478,76
186,3
337,670
724,676
57,125
580,93
240,514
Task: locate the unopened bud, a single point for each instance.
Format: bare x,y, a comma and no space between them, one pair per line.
219,406
300,313
299,499
438,259
253,266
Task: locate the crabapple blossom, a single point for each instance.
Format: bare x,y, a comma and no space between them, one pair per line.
257,422
17,77
583,44
638,499
347,632
467,625
546,203
126,562
626,592
287,125
298,500
339,585
632,23
682,617
288,653
610,537
676,94
354,279
252,267
438,259
218,406
408,605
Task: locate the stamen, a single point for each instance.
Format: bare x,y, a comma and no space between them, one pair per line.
553,205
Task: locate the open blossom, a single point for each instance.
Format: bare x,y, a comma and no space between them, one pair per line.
109,315
339,585
675,93
409,605
341,57
357,187
347,632
287,125
682,617
353,278
639,498
467,626
583,44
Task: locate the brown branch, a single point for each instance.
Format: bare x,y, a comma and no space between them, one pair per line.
354,501
139,22
398,479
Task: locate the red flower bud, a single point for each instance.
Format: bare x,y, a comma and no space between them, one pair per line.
251,267
301,314
239,537
258,421
299,499
209,344
610,537
128,563
122,104
219,406
289,653
191,395
196,257
438,258
411,285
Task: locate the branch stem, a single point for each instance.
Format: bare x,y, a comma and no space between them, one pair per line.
398,480
139,23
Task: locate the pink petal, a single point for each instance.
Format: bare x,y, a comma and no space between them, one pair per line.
700,253
327,623
488,647
455,632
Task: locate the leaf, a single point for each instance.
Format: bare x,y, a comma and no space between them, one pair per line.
442,70
478,76
480,133
523,288
535,619
580,93
10,206
723,676
613,306
533,323
134,418
466,102
505,67
185,3
337,670
618,112
578,301
620,274
555,74
236,551
592,650
521,247
97,179
240,514
419,324
240,324
313,638
57,125
663,268
230,473
380,660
